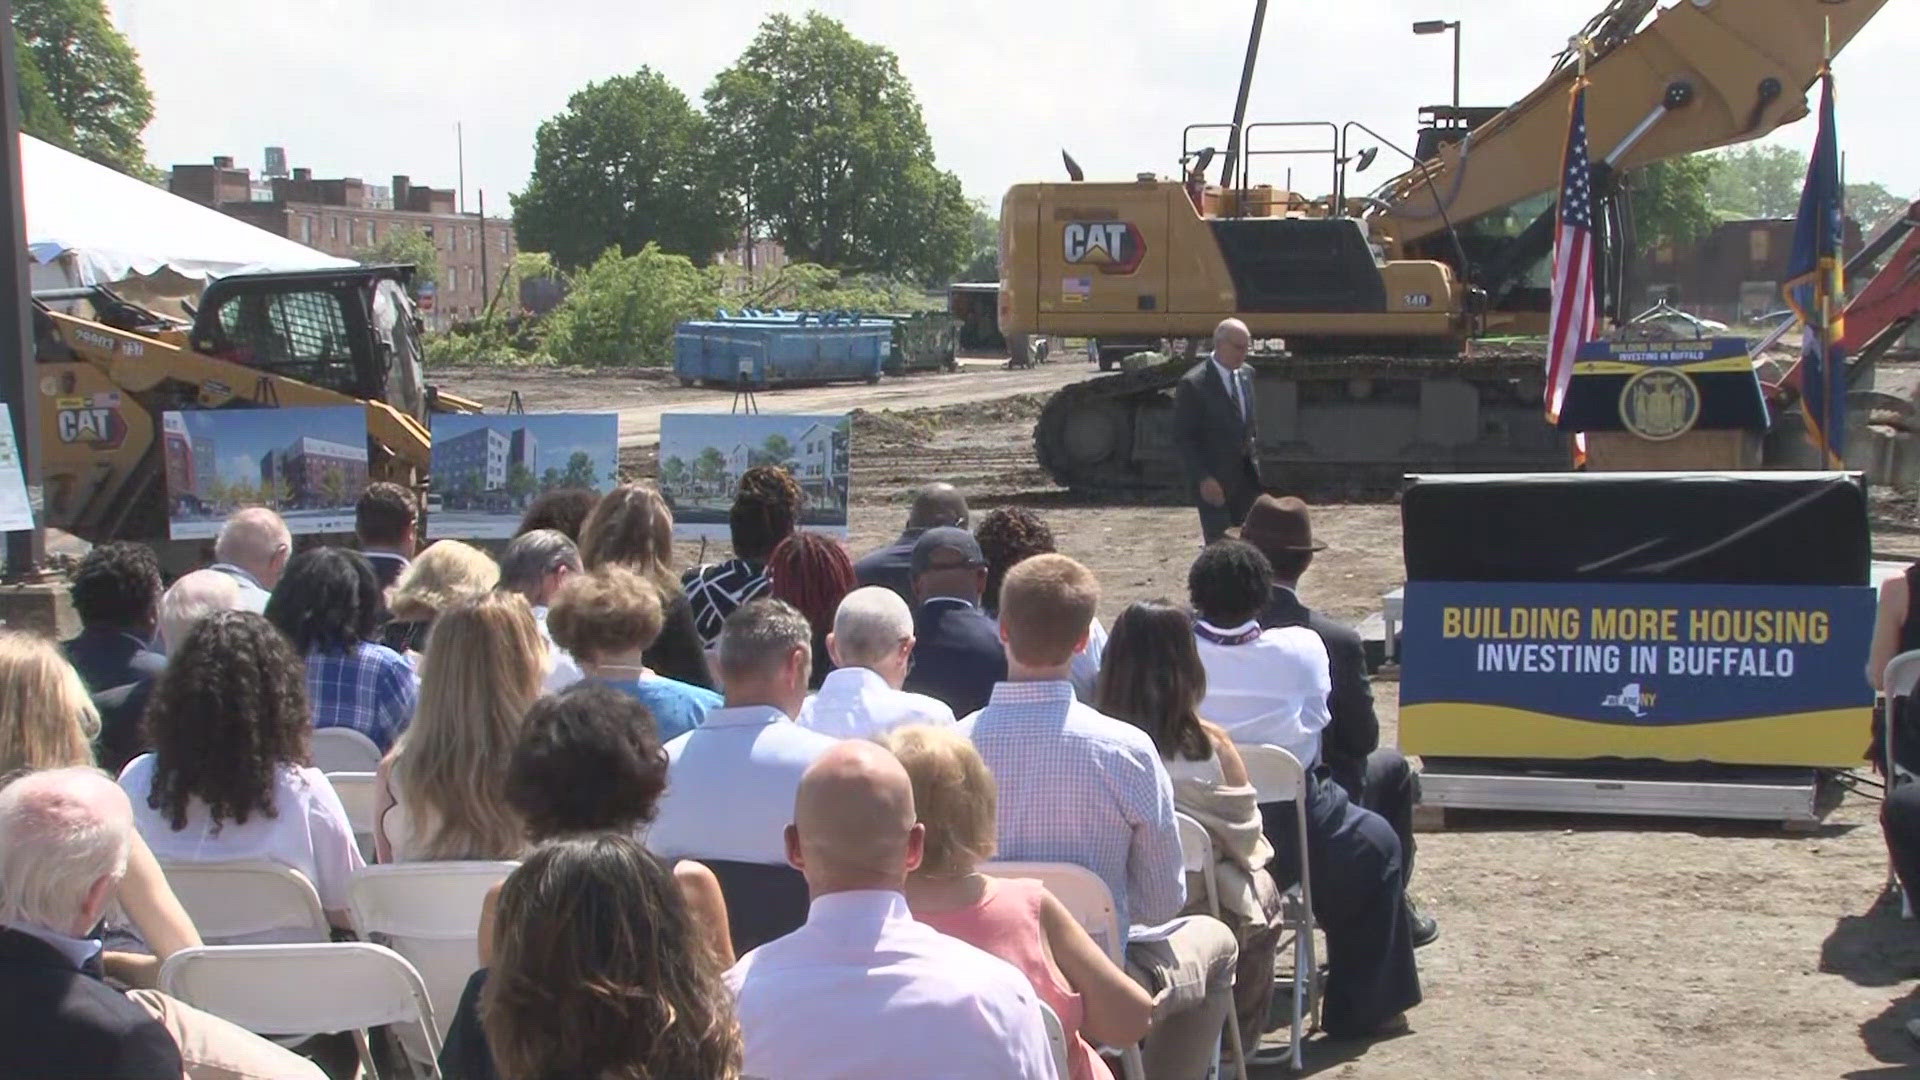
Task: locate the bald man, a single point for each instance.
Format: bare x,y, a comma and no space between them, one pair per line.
862,990
935,506
253,548
1215,428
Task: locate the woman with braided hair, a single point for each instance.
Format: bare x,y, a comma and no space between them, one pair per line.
766,508
813,573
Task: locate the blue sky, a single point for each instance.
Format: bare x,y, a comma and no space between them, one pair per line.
559,435
242,436
686,434
369,89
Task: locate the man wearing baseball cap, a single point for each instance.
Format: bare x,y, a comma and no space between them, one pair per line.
1376,777
957,655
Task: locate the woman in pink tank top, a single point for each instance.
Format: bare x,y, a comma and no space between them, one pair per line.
1015,919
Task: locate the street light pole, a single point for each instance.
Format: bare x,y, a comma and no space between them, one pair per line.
1442,26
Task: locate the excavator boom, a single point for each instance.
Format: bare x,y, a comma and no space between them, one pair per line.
1703,74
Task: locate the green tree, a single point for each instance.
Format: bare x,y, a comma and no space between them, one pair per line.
580,471
1872,204
333,485
983,239
520,482
403,245
1671,203
91,76
39,116
1758,182
626,165
550,478
710,467
623,308
832,154
777,448
673,472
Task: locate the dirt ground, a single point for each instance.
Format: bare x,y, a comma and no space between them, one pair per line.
1571,947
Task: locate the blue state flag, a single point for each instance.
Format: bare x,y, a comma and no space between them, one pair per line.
1815,289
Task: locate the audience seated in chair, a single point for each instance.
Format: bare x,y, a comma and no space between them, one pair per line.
766,507
632,526
328,605
1010,535
386,524
731,782
440,792
228,779
66,842
1015,919
812,572
937,505
446,573
253,547
535,565
1079,787
957,655
606,621
872,645
562,509
863,990
1270,687
116,593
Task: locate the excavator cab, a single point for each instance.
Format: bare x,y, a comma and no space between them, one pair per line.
351,331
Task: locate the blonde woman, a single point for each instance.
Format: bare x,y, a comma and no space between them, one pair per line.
448,571
632,526
1015,919
441,791
47,721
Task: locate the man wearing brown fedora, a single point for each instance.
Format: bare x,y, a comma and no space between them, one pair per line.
1376,777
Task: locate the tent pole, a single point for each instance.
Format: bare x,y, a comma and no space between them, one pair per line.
25,549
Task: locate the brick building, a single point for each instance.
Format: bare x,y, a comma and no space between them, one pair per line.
318,474
1732,273
346,216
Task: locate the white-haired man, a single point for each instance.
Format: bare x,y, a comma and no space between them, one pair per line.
872,646
253,548
1215,429
64,840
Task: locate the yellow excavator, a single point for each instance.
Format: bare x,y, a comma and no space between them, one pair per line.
1376,295
107,369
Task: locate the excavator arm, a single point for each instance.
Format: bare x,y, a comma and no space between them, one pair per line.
1703,74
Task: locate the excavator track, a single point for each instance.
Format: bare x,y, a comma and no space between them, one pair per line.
1333,428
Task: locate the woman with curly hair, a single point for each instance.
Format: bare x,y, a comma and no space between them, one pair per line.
813,573
440,794
447,572
597,971
1010,536
46,722
589,762
632,526
328,604
231,776
766,506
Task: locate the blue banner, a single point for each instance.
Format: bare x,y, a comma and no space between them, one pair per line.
1737,674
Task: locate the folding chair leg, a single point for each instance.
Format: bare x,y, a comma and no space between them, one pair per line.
367,1068
1236,1052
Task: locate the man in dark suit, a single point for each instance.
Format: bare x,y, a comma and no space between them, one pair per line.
57,1017
387,528
957,655
116,593
935,506
1214,427
1376,777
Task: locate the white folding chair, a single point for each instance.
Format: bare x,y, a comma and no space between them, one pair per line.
356,791
296,989
1898,683
339,749
1087,898
1277,776
1056,1041
1196,850
248,902
429,913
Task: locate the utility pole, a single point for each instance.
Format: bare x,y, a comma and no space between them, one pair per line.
486,280
460,150
26,548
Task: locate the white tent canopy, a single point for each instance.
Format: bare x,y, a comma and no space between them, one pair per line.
104,226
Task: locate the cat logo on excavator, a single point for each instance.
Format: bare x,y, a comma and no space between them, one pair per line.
1113,247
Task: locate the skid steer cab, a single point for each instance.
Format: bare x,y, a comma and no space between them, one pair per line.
108,370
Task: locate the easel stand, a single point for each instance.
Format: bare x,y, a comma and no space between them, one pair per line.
743,400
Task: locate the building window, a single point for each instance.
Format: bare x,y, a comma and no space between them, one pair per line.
503,241
373,232
1759,244
333,228
306,229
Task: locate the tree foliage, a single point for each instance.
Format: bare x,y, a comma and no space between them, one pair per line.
402,245
39,116
1872,204
624,166
984,241
1758,182
622,309
831,153
90,75
1671,201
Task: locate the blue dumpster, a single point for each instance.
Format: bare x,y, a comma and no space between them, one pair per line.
781,348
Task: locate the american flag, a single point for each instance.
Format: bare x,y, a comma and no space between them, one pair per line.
1572,319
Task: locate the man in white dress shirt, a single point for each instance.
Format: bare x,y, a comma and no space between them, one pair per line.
1270,686
872,646
731,781
862,990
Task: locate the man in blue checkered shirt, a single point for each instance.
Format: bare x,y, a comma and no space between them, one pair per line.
1076,786
328,604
